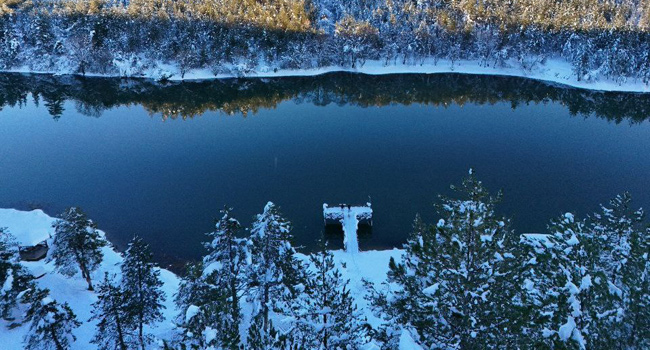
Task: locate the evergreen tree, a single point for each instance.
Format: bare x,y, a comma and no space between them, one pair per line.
558,280
141,282
411,306
111,310
622,244
262,335
275,276
13,277
194,299
635,321
77,243
573,286
225,263
51,323
329,319
456,284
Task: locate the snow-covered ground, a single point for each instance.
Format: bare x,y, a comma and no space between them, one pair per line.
553,70
34,225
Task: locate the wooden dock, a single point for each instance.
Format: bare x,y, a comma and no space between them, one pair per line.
349,217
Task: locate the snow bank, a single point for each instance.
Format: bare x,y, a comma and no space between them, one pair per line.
556,71
369,265
28,227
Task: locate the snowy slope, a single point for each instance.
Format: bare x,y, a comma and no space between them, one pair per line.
71,290
370,265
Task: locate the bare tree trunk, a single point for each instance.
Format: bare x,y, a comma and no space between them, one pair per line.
265,308
120,334
57,343
141,333
86,275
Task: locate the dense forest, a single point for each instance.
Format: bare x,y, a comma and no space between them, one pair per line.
245,97
599,38
467,281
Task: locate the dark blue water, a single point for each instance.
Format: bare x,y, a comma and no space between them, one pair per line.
135,173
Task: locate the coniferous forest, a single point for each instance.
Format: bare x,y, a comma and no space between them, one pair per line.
599,38
467,281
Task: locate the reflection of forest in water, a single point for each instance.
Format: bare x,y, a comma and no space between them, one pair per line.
232,96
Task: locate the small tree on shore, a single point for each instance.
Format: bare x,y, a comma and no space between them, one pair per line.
196,299
13,277
592,278
77,244
225,264
457,282
275,275
328,318
141,282
111,310
51,323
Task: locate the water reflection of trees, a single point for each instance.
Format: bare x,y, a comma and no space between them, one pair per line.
92,96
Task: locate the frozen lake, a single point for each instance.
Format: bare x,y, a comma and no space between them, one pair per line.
161,161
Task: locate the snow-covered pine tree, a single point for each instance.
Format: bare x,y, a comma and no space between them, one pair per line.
141,282
478,287
456,283
51,323
77,244
263,336
635,321
275,276
13,277
613,226
224,266
194,299
551,286
621,233
110,309
411,307
572,286
328,319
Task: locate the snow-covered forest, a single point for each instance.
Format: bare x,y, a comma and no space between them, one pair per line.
467,281
598,39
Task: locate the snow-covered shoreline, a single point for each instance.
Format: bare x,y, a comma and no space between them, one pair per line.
554,71
369,265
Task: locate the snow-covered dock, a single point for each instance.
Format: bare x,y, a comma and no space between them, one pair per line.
348,216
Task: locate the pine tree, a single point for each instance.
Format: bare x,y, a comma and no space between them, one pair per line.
13,277
329,319
141,282
275,276
225,263
411,307
574,289
457,287
194,299
262,335
111,310
623,259
77,243
51,323
635,321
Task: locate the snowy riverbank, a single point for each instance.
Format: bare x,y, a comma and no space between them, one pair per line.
555,71
33,225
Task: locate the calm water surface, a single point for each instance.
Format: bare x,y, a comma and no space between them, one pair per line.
125,154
